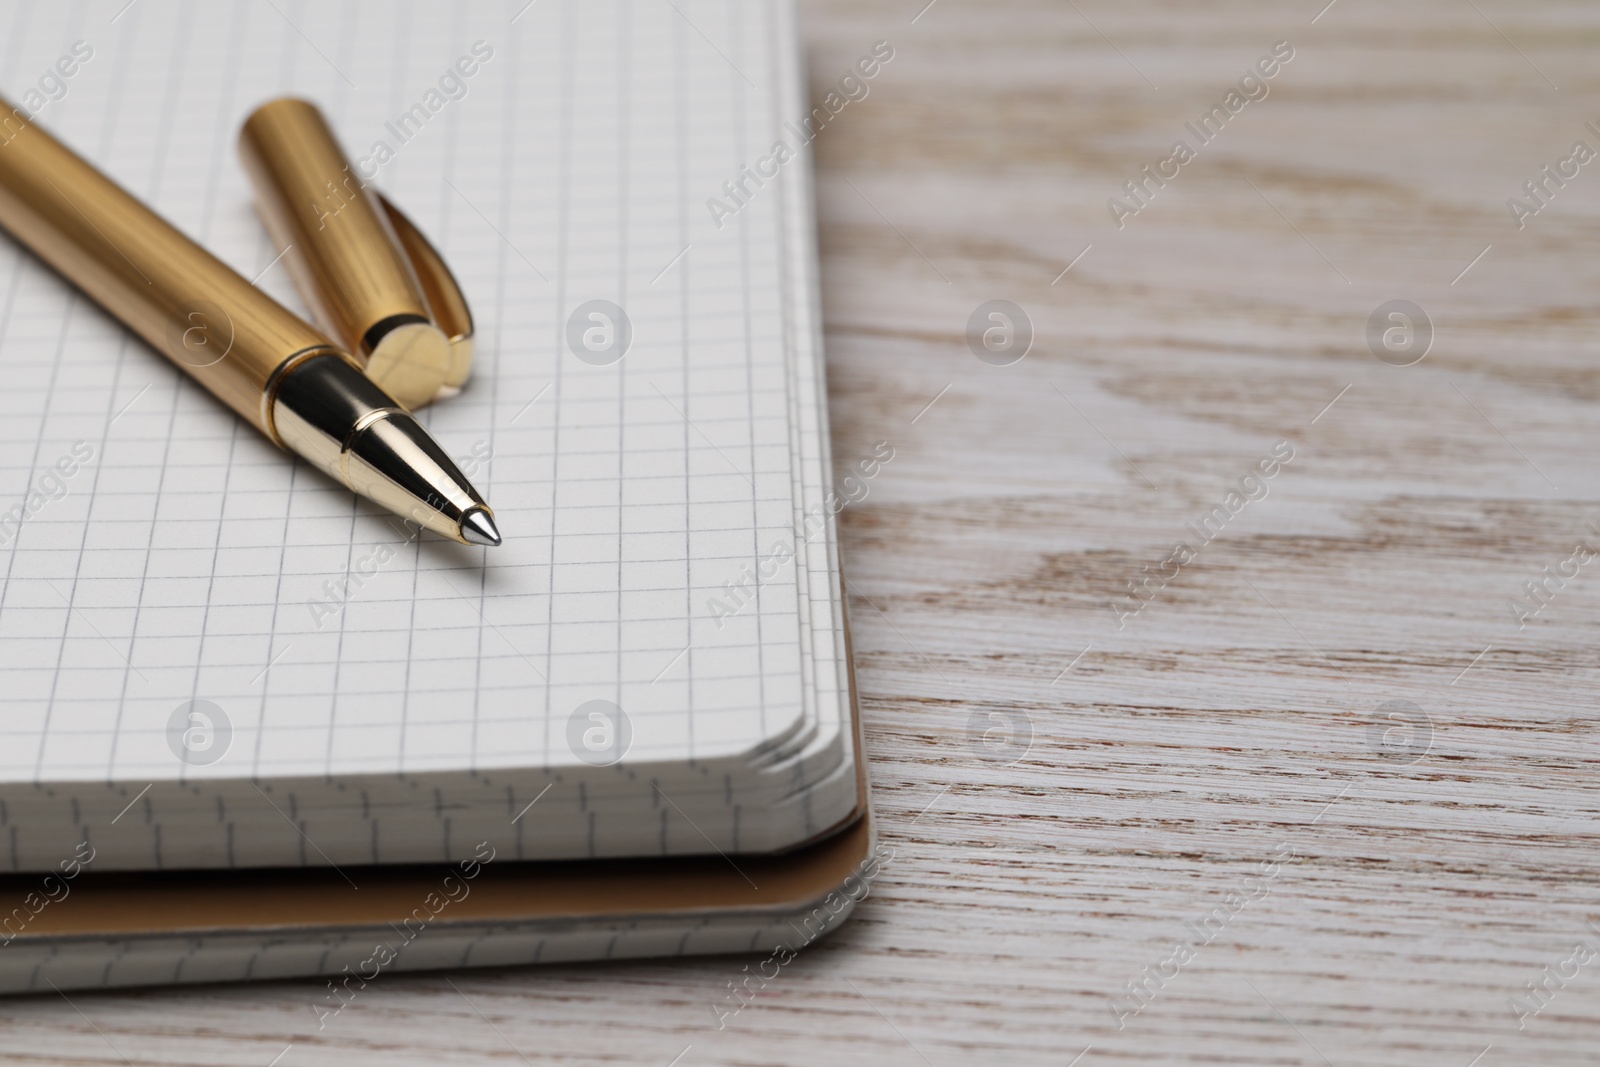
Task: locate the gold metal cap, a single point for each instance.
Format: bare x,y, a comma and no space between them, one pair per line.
446,302
369,276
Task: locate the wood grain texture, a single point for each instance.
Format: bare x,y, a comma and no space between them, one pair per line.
1421,877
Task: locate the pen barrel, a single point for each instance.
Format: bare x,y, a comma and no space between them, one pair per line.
347,262
190,306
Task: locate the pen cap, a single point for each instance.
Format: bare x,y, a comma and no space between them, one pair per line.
445,299
370,278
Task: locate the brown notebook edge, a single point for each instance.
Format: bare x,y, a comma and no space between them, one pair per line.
129,906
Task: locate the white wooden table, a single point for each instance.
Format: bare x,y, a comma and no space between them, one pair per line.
1375,894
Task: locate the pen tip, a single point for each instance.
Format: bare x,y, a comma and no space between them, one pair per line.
478,528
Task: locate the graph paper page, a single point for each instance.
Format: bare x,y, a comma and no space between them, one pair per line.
184,558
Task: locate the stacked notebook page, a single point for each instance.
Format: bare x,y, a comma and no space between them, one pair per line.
213,656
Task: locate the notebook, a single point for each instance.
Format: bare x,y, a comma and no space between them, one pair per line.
212,656
136,928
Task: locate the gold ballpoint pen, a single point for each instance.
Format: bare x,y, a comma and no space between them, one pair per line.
273,368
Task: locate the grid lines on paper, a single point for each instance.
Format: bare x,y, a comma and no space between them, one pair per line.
193,559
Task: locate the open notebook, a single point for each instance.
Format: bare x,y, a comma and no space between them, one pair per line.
213,656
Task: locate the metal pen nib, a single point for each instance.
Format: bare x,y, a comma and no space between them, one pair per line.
323,408
478,528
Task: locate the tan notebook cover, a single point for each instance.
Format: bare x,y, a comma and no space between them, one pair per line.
100,930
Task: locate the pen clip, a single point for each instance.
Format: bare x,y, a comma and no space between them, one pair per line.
439,287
